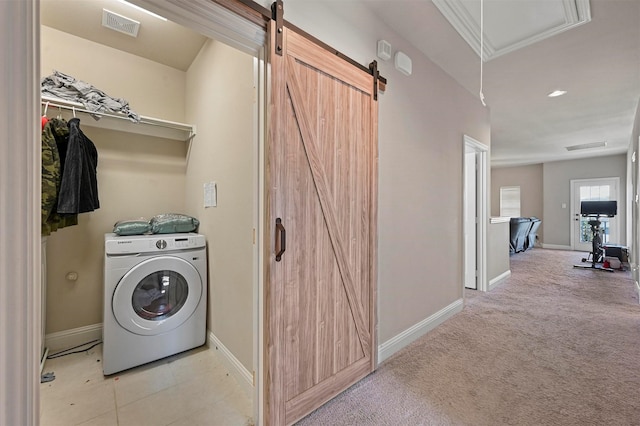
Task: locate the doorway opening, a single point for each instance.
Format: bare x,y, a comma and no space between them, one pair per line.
475,214
178,170
601,189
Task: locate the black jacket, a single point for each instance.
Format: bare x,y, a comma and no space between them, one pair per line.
79,185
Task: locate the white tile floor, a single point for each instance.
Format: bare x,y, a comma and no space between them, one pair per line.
192,388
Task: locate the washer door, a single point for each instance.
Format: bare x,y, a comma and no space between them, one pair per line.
157,295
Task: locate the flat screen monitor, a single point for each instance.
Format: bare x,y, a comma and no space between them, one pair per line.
599,208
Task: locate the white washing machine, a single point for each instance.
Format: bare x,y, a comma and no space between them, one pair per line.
155,298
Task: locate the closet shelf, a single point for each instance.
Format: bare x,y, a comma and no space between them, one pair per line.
114,121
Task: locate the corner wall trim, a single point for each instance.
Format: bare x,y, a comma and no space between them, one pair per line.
556,247
403,339
495,281
235,367
73,337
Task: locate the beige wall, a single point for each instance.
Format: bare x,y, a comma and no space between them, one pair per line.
140,176
422,120
497,249
137,175
557,178
152,89
223,152
545,188
422,123
529,179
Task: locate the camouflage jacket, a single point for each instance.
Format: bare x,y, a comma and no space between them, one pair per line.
54,141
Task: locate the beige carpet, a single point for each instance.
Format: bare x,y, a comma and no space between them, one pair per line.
551,345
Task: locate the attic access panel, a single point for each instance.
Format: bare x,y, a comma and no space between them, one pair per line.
512,25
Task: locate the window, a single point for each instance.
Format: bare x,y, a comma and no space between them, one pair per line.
594,193
510,201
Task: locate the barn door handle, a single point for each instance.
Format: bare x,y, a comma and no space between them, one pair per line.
281,239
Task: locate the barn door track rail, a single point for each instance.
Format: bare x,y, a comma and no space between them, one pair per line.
258,14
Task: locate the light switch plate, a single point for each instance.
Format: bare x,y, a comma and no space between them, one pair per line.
210,194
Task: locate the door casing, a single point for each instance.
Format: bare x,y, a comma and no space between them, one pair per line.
482,176
470,220
212,20
575,210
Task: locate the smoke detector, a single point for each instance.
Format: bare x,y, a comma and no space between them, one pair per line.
120,23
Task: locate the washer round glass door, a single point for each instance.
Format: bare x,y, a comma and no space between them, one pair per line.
157,295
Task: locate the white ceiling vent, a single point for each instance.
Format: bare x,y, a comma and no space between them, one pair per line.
120,23
602,144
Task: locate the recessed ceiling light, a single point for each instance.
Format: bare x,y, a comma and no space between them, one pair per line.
556,93
587,146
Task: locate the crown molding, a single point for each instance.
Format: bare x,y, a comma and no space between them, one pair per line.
467,24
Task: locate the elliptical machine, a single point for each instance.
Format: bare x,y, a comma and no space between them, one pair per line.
595,209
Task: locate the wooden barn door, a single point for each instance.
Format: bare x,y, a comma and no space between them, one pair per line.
322,204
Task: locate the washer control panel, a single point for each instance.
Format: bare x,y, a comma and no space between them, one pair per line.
152,243
182,243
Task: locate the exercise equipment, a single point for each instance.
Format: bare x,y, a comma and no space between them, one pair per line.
594,210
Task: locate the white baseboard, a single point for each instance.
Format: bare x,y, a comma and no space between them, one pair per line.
69,338
398,342
556,247
235,367
495,281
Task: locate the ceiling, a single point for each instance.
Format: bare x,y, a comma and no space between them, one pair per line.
160,41
597,62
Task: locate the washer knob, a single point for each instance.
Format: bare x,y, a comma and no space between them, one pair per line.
161,244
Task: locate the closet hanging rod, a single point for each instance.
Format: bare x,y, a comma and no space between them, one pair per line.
78,107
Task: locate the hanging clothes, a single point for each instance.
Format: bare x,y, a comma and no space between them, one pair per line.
54,142
79,186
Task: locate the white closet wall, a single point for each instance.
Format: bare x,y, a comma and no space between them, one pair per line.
137,175
143,176
220,98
